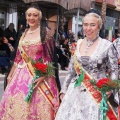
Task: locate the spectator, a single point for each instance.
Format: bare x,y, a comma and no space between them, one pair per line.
4,55
1,32
80,35
64,55
70,36
10,34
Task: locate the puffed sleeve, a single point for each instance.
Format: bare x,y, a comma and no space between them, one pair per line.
117,46
70,75
17,58
113,62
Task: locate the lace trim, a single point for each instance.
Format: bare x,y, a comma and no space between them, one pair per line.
30,42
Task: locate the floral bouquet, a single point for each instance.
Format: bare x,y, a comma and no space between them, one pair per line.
40,69
105,85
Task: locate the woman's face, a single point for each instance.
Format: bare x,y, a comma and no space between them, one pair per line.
90,27
33,17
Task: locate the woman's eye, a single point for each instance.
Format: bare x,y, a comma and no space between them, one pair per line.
92,24
84,24
35,15
29,15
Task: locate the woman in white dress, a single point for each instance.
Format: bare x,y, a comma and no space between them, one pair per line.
93,53
117,46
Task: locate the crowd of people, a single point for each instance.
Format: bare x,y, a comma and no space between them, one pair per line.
8,39
7,43
91,56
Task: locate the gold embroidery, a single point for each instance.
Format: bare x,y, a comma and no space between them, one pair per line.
17,109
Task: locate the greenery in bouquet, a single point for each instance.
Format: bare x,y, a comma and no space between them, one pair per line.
105,85
41,69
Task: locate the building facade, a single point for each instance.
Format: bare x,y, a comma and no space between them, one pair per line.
112,15
9,12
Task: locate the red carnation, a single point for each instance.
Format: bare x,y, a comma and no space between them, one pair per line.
41,66
102,82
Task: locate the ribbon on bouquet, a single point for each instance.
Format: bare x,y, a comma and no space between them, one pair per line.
103,105
100,99
80,79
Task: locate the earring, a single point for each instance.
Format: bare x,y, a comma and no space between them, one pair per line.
38,23
27,24
98,33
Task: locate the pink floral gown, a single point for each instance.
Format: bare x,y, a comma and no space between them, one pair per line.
13,106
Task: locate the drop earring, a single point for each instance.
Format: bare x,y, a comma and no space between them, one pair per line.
27,25
38,23
98,33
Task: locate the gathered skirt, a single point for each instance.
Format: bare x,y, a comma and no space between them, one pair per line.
78,104
13,106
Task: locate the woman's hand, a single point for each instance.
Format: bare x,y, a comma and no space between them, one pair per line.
11,38
109,93
9,79
5,40
37,81
62,96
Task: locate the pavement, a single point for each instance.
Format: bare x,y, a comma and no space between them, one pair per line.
1,85
62,74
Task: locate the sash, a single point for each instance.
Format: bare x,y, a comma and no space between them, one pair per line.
96,95
43,86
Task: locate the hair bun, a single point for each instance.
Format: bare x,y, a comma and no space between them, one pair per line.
35,5
94,11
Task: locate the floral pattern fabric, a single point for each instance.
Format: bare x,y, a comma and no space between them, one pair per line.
13,106
77,103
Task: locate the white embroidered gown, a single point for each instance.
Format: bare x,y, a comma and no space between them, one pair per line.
77,103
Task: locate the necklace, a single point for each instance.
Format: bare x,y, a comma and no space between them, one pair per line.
89,43
33,31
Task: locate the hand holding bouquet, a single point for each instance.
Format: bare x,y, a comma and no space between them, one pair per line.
105,86
42,70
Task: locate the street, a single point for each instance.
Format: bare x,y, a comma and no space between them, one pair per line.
1,85
62,75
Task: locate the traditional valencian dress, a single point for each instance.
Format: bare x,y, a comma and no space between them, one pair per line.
117,45
13,106
78,104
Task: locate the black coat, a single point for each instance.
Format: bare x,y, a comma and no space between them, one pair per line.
4,50
8,34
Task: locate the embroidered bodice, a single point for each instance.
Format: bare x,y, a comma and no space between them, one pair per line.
32,48
104,55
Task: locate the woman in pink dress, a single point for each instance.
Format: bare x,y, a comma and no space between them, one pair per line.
35,42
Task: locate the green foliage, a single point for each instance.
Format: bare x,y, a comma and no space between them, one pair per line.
49,70
111,85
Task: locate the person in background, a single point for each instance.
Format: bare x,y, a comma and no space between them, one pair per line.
35,42
80,35
70,35
4,55
92,53
10,34
1,32
72,47
113,38
9,45
64,55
